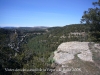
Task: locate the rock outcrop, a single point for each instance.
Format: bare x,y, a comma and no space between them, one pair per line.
67,51
77,58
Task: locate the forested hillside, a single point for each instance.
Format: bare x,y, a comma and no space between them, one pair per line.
12,48
36,49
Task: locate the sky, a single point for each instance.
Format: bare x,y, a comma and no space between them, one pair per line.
31,13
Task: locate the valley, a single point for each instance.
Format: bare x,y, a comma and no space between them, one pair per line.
35,49
49,37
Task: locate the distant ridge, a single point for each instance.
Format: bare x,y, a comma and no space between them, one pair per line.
37,28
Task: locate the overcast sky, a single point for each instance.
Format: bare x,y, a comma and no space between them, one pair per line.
30,13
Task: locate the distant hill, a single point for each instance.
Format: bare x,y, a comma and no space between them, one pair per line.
27,28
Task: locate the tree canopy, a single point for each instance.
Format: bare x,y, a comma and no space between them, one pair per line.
92,18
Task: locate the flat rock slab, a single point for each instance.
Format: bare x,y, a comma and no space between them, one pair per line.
67,51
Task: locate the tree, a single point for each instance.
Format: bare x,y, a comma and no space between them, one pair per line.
92,18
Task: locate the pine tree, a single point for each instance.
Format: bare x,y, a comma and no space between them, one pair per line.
92,18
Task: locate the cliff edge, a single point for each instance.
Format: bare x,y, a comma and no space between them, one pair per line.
77,58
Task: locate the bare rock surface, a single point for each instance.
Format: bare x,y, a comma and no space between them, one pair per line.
67,51
77,58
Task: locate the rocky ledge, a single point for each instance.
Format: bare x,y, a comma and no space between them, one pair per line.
67,51
76,58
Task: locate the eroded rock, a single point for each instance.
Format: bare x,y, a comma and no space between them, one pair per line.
67,51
